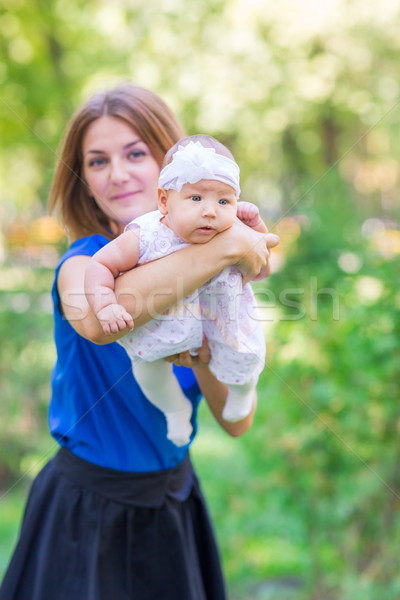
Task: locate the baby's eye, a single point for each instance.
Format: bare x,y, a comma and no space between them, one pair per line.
195,198
223,201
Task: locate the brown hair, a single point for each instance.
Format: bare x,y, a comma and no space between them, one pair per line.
205,140
145,112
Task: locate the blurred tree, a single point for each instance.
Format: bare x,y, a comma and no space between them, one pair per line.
306,94
293,88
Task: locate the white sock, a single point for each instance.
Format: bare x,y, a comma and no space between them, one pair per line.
162,389
239,402
179,426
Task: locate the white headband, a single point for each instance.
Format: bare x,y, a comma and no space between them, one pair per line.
194,162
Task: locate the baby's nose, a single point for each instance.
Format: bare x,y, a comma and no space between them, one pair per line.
209,209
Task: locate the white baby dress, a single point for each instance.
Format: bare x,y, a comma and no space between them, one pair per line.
222,309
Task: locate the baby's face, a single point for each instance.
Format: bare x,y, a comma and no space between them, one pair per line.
200,210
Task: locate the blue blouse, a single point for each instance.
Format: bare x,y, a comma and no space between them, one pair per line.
97,409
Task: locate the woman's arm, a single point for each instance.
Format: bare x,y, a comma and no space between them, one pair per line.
180,273
150,289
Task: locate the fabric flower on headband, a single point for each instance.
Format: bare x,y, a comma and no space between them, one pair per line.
194,162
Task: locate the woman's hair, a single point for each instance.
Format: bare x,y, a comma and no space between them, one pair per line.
205,140
139,108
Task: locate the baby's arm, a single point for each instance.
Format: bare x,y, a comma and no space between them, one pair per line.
121,254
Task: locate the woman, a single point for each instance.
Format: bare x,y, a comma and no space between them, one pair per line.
118,513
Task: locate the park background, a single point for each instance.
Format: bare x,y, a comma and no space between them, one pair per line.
306,93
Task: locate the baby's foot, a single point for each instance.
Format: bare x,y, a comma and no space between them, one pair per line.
237,405
179,426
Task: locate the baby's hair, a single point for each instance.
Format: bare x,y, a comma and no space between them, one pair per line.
205,140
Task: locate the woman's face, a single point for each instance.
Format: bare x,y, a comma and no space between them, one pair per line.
120,170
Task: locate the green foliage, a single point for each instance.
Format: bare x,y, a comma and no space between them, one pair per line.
11,509
26,358
311,494
306,504
293,88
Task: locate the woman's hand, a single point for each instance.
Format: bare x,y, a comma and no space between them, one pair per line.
252,247
185,359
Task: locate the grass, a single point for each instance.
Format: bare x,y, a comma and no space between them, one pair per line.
11,509
262,545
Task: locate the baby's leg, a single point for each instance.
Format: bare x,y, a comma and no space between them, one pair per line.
239,402
162,389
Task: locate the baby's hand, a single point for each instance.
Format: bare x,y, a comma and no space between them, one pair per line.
114,318
249,214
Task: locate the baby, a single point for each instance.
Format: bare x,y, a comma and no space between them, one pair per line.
197,199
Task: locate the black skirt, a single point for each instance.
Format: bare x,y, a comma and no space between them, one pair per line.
91,533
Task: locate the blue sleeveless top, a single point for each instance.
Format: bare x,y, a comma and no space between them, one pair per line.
97,409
